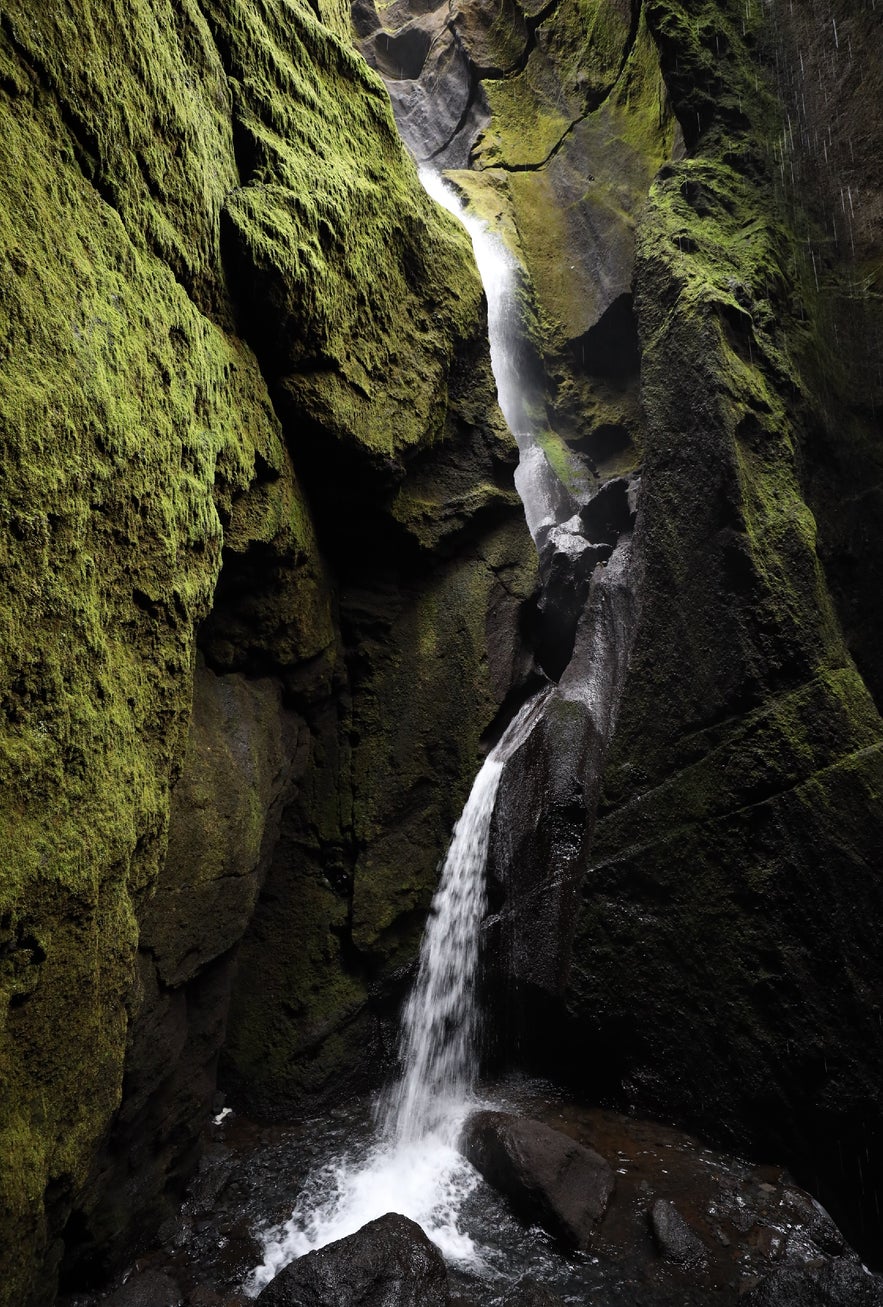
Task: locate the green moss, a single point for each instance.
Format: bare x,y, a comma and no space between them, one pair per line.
329,185
724,768
412,731
132,422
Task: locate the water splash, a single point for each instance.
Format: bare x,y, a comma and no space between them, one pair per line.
414,1167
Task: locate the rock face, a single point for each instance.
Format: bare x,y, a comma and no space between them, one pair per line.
738,834
259,532
388,1263
547,1177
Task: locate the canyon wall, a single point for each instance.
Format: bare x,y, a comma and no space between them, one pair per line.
267,586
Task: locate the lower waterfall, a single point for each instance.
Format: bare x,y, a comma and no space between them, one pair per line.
414,1167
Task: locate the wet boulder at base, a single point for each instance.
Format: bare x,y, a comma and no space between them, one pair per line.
389,1262
675,1241
547,1177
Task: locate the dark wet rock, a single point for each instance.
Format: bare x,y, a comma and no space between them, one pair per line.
388,1263
544,816
610,512
150,1288
674,1239
843,1282
530,1294
204,1297
537,835
567,561
547,1177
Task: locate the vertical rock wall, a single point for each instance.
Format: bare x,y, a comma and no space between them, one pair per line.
725,959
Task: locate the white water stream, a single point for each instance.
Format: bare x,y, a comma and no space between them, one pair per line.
414,1167
546,501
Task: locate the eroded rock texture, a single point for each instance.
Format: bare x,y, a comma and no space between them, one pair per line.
261,585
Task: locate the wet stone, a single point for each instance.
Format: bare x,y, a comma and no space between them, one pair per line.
843,1282
674,1239
149,1288
547,1177
388,1263
530,1294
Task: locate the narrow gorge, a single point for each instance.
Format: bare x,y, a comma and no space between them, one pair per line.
290,571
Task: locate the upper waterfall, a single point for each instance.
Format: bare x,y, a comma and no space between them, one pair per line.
547,502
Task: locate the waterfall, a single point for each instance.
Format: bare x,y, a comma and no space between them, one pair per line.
414,1167
439,1024
547,502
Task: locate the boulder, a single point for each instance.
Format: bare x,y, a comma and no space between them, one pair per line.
674,1239
547,1177
388,1263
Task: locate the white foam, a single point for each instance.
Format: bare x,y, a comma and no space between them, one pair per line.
425,1179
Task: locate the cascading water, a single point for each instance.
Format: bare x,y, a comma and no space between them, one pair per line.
414,1167
547,502
438,1044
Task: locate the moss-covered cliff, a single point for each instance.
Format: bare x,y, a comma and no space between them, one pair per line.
244,379
725,954
264,577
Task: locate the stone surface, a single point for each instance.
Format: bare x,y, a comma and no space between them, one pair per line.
388,1263
531,1294
147,1289
841,1283
674,1239
547,1177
